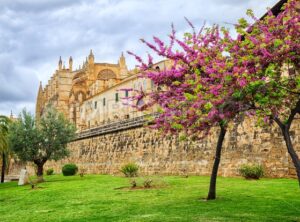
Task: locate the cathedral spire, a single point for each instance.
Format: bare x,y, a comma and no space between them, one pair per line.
91,53
59,64
91,58
39,102
122,61
123,66
70,63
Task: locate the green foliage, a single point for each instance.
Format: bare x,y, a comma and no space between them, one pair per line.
56,132
148,183
250,12
199,87
177,126
46,139
270,71
277,43
133,183
4,125
50,172
189,96
228,78
208,106
251,171
69,169
43,140
297,79
254,86
4,146
130,170
237,95
25,138
243,23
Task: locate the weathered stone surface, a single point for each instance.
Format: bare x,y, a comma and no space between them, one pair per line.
24,177
165,154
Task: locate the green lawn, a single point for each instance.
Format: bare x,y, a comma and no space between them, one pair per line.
94,198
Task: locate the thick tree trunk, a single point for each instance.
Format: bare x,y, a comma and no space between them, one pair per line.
40,168
3,167
285,129
291,150
214,173
40,172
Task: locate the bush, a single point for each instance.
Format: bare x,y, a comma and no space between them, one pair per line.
251,171
148,183
130,170
69,169
50,171
133,184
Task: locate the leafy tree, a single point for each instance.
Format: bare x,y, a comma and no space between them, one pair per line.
41,141
4,148
198,92
205,88
268,59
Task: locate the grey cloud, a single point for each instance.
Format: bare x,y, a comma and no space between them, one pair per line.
37,6
34,33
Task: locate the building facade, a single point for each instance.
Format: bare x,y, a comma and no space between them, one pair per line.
95,93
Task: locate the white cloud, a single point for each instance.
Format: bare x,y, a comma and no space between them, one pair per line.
34,33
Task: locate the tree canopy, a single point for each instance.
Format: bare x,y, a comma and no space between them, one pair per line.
41,141
215,78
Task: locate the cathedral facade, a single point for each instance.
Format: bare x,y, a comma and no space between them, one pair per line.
95,93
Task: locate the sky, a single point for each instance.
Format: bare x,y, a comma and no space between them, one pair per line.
34,33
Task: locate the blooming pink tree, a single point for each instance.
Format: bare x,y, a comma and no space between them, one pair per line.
268,52
197,92
215,78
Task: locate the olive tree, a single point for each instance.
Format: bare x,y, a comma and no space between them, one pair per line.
43,140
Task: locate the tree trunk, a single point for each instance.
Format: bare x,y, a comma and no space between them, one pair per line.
40,172
214,173
291,150
3,167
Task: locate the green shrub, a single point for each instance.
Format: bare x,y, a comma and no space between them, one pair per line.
130,170
148,183
50,171
251,171
133,184
69,169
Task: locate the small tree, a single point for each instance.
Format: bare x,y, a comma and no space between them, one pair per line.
41,141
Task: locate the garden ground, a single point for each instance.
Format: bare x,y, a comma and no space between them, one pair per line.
99,198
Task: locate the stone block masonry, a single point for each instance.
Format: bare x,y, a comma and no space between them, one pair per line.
167,155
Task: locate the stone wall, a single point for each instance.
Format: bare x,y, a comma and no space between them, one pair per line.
161,154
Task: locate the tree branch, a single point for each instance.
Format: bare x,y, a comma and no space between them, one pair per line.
292,115
278,121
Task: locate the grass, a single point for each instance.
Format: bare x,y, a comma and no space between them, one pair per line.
95,198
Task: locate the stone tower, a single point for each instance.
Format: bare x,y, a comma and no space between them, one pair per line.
123,67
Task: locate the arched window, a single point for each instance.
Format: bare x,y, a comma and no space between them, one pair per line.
106,74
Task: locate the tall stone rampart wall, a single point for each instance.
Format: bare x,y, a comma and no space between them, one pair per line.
167,155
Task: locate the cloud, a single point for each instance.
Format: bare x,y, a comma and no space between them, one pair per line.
34,33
